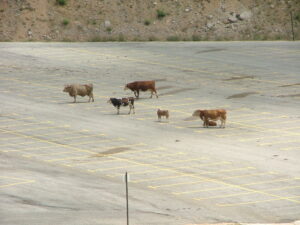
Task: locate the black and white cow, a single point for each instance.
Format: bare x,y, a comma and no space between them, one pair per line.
116,102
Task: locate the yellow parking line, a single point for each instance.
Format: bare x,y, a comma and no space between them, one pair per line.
33,129
26,124
245,193
18,144
46,154
28,149
267,137
202,190
262,118
259,201
160,178
247,184
149,164
97,141
147,171
223,196
279,142
58,139
119,153
17,183
290,148
25,118
233,117
88,156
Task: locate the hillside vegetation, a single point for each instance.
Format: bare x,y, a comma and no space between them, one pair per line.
148,20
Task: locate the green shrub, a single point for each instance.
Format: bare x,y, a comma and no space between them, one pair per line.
160,14
65,22
196,38
173,38
147,22
121,37
108,29
152,38
297,17
61,2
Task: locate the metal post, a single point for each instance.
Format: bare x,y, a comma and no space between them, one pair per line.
127,208
292,22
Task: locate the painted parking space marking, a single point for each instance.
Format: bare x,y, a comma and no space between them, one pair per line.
259,201
13,181
149,164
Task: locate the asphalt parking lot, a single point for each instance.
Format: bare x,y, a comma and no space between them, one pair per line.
64,162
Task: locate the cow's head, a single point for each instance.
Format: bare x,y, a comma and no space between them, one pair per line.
67,88
126,87
197,112
109,101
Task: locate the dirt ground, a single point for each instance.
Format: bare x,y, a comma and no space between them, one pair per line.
137,20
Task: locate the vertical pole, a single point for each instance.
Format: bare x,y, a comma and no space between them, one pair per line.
292,22
127,208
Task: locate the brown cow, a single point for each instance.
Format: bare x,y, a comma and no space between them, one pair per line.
80,89
208,116
138,86
161,113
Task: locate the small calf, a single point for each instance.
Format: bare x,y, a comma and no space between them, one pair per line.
212,123
116,102
161,113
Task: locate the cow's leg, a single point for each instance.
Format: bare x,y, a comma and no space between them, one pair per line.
135,94
118,110
156,93
74,98
130,106
206,122
138,93
91,97
223,123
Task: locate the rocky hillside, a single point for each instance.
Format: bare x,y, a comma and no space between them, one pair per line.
147,20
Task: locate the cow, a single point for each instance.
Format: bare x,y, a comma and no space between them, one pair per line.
161,113
80,89
138,86
208,116
116,102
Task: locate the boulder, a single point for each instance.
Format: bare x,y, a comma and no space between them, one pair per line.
107,23
245,15
232,19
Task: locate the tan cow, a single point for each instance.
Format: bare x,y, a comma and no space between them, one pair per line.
208,116
161,113
80,89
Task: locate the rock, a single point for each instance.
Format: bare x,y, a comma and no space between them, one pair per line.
210,25
107,23
154,3
187,10
244,15
210,17
223,8
232,19
29,32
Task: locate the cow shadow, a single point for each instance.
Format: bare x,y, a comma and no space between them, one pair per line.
77,102
115,114
201,127
161,121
